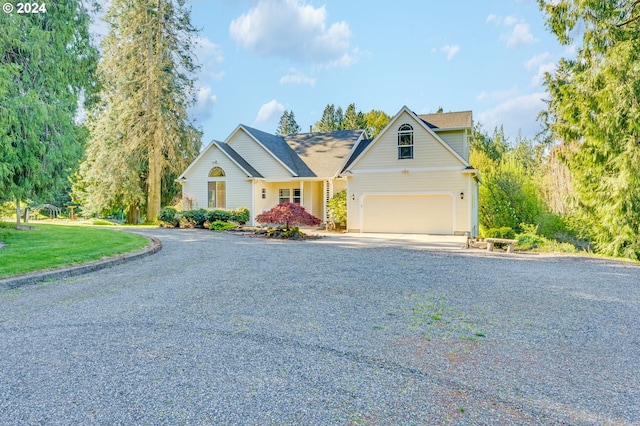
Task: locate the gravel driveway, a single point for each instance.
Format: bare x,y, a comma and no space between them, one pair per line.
225,329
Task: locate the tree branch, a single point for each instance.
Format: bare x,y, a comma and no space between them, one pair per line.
630,20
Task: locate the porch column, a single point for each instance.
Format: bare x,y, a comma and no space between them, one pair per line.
302,193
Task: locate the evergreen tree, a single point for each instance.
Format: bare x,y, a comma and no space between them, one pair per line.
328,121
47,65
288,125
140,131
352,119
593,110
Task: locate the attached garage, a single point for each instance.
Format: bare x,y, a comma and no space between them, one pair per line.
408,213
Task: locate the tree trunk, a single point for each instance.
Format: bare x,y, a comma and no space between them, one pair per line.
18,212
154,180
133,215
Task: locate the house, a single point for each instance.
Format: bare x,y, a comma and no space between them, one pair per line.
414,177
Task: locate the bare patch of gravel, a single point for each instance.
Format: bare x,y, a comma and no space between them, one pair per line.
226,329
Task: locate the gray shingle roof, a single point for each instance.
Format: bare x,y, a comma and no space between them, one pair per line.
279,148
324,152
238,159
361,147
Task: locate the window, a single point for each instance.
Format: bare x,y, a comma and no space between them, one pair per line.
284,195
216,172
217,189
264,193
405,142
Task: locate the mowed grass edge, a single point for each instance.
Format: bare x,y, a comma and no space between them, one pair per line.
54,246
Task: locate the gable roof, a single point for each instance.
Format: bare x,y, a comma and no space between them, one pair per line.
448,120
325,153
229,152
237,158
282,152
427,126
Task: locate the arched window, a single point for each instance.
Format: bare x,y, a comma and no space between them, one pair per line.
405,142
217,189
216,172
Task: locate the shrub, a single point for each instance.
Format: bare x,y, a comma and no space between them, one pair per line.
503,232
337,207
289,233
220,225
193,218
288,214
219,216
240,215
168,215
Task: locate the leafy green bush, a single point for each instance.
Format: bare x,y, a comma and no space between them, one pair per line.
337,207
531,240
240,215
286,232
504,232
550,225
168,215
193,218
220,225
219,216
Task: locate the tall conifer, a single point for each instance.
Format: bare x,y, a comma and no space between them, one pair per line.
140,131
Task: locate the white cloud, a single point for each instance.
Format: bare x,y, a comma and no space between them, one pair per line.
209,55
520,35
203,108
515,114
294,30
269,111
499,95
538,79
536,61
510,20
298,78
207,51
451,51
493,18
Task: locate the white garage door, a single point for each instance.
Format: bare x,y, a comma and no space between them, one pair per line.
415,214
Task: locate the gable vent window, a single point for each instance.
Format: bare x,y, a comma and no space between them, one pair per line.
405,142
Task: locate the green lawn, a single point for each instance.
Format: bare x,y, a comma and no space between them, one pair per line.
53,246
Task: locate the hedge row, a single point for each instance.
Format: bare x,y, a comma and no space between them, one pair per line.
201,218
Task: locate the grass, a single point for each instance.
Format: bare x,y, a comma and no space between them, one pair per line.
54,246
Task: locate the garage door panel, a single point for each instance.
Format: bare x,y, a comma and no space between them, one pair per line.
427,214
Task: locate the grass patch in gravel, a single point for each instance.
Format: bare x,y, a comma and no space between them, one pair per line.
54,246
429,314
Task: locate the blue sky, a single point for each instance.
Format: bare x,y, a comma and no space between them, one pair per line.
260,57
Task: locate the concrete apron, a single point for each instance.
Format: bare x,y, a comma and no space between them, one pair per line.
413,241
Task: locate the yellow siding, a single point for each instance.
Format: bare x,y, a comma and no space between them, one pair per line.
258,157
451,182
311,195
457,139
427,151
238,185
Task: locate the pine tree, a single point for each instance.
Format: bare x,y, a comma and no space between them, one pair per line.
593,110
46,66
140,131
328,121
288,125
352,119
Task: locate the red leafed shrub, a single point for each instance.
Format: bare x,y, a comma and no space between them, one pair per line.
288,214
